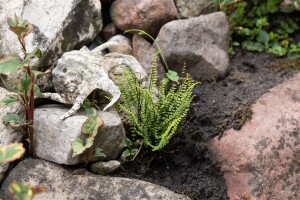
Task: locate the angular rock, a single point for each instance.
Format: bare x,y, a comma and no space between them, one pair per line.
194,8
59,26
145,53
105,167
201,43
148,15
7,134
53,137
62,185
263,158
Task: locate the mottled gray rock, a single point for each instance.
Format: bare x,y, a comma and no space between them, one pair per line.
194,8
148,15
53,137
262,159
105,167
7,134
200,42
62,185
59,26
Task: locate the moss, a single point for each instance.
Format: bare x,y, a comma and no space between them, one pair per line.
286,65
240,115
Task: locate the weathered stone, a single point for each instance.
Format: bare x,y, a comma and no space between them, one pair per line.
262,159
105,167
145,53
53,137
62,185
79,73
148,15
194,8
201,43
109,31
7,133
59,26
118,44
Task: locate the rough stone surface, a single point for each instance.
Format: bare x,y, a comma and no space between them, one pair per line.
79,73
59,26
148,15
194,8
105,167
201,43
53,137
262,159
7,134
61,184
144,52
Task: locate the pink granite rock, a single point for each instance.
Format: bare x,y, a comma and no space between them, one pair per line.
263,158
148,15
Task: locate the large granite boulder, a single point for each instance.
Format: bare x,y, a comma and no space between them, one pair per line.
7,133
63,185
201,43
53,137
148,15
262,159
59,26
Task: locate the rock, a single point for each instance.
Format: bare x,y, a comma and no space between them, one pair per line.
61,184
53,137
144,52
194,8
201,43
105,168
59,26
143,14
118,44
109,31
262,159
7,134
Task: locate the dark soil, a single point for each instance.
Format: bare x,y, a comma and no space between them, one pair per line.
185,165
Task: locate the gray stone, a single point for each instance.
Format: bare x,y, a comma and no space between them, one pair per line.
7,133
105,167
62,185
201,43
53,137
59,26
194,8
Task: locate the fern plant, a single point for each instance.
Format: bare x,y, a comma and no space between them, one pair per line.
155,117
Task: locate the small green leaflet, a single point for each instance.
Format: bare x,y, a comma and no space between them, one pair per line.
172,75
78,146
35,53
24,191
12,119
10,64
9,100
91,126
263,36
125,153
11,152
127,142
